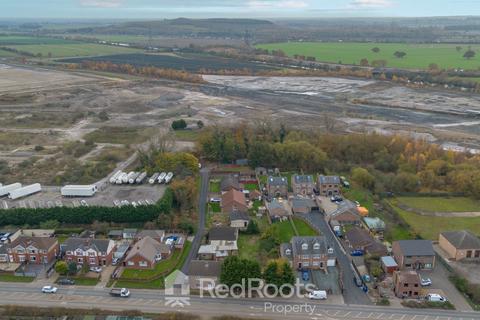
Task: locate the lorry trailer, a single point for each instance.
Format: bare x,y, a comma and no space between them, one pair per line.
79,190
141,178
5,190
25,191
153,178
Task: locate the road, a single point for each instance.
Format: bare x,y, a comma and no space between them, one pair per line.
351,293
202,204
154,302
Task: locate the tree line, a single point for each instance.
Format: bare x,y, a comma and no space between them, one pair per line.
376,162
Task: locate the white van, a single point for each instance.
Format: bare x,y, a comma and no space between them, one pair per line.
433,297
318,295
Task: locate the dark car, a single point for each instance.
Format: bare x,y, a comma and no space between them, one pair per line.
66,282
358,282
356,253
305,275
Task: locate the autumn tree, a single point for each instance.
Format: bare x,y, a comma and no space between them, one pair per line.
376,49
400,54
363,178
469,54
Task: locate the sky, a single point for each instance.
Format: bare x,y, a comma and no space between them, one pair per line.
158,9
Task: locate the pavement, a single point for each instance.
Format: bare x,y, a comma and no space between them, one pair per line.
351,293
202,204
153,301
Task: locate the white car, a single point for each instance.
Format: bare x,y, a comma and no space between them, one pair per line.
96,269
426,282
49,289
318,295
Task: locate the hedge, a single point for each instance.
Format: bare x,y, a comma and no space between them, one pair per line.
87,215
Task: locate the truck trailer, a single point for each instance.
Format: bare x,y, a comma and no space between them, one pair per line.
133,178
141,178
5,190
114,178
25,191
168,177
161,177
153,178
79,190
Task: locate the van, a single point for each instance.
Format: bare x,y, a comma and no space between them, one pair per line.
433,297
318,295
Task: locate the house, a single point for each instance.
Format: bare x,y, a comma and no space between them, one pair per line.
239,219
360,239
255,195
278,210
308,253
34,250
346,214
229,182
207,252
389,265
204,274
277,187
261,171
222,242
146,253
302,205
3,253
234,200
115,234
38,233
158,235
89,251
414,254
460,245
328,185
406,284
375,225
302,185
129,233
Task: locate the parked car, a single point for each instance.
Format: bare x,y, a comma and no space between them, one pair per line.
358,282
305,275
66,282
120,292
433,297
356,253
115,261
96,269
49,289
318,295
426,282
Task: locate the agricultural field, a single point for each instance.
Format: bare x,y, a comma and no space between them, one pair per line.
441,204
187,62
418,56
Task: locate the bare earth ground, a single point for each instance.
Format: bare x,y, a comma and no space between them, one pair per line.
42,109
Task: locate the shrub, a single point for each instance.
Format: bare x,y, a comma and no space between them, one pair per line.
179,124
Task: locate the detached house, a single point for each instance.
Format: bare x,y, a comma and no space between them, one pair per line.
414,254
302,185
239,219
146,253
460,245
360,239
88,251
308,253
346,214
277,187
222,242
407,284
33,250
234,200
328,185
230,182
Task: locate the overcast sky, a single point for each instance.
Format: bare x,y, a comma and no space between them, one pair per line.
148,9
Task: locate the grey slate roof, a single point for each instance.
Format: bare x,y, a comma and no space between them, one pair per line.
298,242
303,179
416,247
229,182
283,251
239,215
205,268
303,203
222,233
150,233
99,245
329,179
277,181
462,239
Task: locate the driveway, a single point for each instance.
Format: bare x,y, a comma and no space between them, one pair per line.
351,293
327,205
202,204
440,280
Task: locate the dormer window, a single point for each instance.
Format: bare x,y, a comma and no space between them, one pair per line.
304,246
288,252
330,250
316,246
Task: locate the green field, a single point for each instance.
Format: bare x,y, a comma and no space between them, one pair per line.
440,204
419,56
72,50
429,227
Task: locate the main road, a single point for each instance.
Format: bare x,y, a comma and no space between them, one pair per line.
150,301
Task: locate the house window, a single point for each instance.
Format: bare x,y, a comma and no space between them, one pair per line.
330,250
304,246
130,263
477,254
469,253
33,258
288,252
408,265
306,264
316,246
143,264
21,258
92,261
427,265
405,285
416,285
80,260
32,251
315,263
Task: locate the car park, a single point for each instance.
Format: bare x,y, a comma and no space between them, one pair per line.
49,289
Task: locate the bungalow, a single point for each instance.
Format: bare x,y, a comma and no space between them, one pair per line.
460,245
222,242
233,200
88,251
146,253
302,185
229,182
277,209
328,185
360,239
346,214
204,274
277,187
302,205
158,235
239,219
414,254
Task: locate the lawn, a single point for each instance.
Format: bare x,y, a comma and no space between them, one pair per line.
72,49
456,204
249,246
215,207
163,267
84,281
419,56
155,284
12,278
364,197
429,227
214,185
304,228
250,186
284,231
187,135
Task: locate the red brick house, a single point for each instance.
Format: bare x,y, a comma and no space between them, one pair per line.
33,250
88,251
406,284
146,253
234,200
